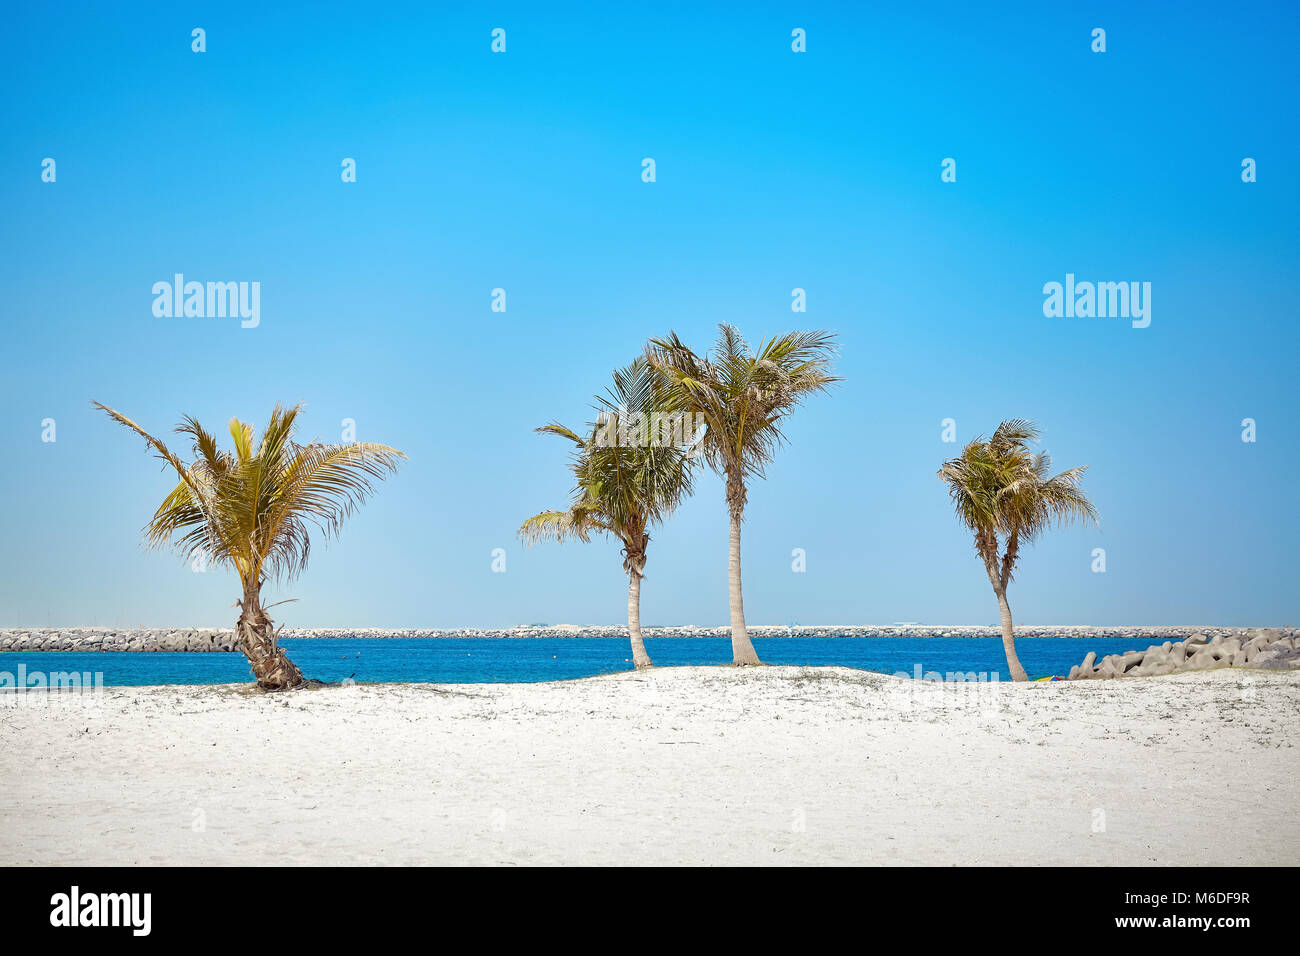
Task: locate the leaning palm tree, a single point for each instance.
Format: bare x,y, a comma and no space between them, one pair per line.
251,509
742,396
999,487
631,474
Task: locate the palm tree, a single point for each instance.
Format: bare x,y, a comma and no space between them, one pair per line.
742,396
251,510
999,487
630,476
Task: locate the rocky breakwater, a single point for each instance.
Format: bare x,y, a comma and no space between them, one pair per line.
1273,649
146,639
223,639
1172,632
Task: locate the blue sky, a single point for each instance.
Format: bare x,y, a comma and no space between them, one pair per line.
775,170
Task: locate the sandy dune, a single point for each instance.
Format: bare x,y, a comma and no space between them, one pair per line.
779,765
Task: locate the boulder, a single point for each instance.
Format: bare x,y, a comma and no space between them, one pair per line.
1159,655
1088,668
1129,660
1229,647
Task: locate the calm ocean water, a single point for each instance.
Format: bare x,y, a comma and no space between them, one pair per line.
525,660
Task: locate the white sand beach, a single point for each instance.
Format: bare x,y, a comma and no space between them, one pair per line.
775,765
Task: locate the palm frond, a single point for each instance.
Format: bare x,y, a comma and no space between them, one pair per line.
254,509
555,428
628,474
998,487
743,396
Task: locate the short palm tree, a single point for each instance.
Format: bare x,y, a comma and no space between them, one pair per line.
252,509
1000,488
623,486
742,396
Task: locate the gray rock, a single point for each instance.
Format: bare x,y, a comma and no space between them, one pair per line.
1220,647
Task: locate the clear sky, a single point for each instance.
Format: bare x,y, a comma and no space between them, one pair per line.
775,170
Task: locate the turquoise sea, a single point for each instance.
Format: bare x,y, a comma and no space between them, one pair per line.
525,660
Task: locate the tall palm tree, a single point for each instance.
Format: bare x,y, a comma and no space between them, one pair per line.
999,487
251,510
742,396
630,476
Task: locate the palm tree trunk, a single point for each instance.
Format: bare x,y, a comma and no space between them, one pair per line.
639,657
742,650
1009,637
255,634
